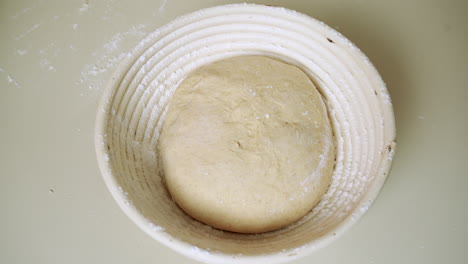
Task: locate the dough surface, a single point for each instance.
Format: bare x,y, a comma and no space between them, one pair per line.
246,145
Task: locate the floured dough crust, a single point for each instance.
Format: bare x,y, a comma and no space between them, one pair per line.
246,145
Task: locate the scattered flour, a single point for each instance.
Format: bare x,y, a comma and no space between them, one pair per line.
27,32
112,52
156,228
199,251
162,6
22,12
125,196
22,52
11,80
47,56
110,12
84,8
47,65
72,48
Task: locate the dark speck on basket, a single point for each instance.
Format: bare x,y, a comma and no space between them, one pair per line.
330,40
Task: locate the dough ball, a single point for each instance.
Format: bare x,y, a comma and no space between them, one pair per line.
246,145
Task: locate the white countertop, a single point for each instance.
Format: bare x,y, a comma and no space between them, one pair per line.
55,57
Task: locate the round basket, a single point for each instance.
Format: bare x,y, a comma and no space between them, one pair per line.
133,107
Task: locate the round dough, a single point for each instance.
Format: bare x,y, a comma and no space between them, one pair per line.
246,145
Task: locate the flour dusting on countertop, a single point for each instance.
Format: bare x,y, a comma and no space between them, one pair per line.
94,75
13,81
21,52
22,12
162,7
10,79
84,8
28,31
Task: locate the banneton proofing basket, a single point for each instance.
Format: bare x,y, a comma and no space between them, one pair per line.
133,107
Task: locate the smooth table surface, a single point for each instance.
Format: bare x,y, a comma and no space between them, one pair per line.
56,56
